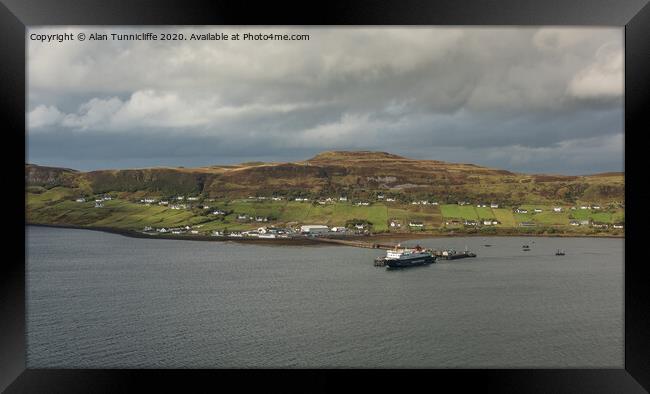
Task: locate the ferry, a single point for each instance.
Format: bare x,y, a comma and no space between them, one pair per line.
405,257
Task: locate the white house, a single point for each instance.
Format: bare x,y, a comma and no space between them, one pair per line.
380,196
343,198
359,226
242,217
194,231
180,198
80,200
193,198
518,210
163,203
537,210
557,209
493,205
218,212
416,224
162,230
618,226
338,229
390,199
99,205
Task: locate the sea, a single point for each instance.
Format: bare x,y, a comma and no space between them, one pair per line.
102,300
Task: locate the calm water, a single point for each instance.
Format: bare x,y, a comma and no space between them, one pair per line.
99,300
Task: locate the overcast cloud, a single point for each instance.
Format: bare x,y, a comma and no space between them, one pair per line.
523,99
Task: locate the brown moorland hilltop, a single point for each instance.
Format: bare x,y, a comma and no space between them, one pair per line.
357,174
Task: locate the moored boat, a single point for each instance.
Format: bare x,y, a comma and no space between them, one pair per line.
407,257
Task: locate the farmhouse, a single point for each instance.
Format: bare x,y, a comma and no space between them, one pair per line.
163,203
416,224
470,223
519,210
359,226
395,223
218,212
557,209
314,229
618,226
493,205
343,198
338,229
390,199
380,196
574,223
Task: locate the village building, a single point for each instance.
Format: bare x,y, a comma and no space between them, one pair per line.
380,196
493,205
416,224
314,229
519,210
557,209
343,198
218,212
618,226
163,203
389,199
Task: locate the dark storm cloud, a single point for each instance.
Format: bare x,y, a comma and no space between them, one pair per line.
542,94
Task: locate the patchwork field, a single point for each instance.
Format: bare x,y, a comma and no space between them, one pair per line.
57,206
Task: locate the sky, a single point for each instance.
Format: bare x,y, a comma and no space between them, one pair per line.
532,100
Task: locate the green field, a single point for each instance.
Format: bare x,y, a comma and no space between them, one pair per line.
57,206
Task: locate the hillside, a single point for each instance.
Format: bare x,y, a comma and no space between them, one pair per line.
355,174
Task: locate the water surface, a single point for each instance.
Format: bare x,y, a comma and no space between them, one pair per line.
99,300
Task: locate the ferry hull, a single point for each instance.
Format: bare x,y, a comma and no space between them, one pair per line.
394,263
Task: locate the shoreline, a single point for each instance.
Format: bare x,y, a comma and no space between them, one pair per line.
298,241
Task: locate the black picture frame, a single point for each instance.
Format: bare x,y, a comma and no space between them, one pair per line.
633,15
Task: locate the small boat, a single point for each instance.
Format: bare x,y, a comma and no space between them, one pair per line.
525,248
487,245
560,253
